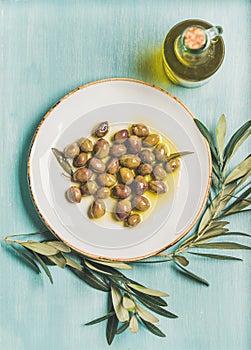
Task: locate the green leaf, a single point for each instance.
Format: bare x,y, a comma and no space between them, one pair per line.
100,319
72,263
111,328
181,259
234,140
44,266
58,260
104,269
220,134
153,329
40,248
222,245
151,299
116,265
128,303
214,234
216,256
148,291
240,142
192,275
27,258
59,246
122,328
146,315
63,161
91,279
134,325
92,267
239,171
208,137
178,154
156,308
121,313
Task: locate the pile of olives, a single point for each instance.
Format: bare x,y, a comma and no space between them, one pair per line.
133,162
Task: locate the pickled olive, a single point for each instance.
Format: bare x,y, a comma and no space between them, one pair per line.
121,191
139,185
159,172
112,166
118,150
123,209
102,129
106,180
140,130
103,192
101,148
157,186
86,145
147,156
88,188
161,152
72,150
133,220
126,175
97,165
151,140
172,165
121,136
73,194
144,169
140,203
80,160
82,175
97,208
130,161
134,144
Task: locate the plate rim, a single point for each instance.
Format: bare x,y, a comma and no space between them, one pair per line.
100,257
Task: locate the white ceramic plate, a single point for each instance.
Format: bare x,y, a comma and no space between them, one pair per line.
121,102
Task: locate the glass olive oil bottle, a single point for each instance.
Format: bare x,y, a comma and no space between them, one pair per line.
192,51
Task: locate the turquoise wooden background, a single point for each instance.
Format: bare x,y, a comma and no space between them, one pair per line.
48,48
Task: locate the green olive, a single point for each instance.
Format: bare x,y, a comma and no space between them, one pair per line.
126,175
141,203
133,220
140,130
73,194
147,156
88,188
102,129
151,140
121,191
97,165
86,145
123,209
157,186
106,180
159,172
112,166
172,165
134,144
161,152
72,150
118,150
101,148
80,160
139,185
103,192
97,209
130,161
144,169
121,136
82,175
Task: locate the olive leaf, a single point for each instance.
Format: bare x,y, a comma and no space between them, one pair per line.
63,161
220,135
148,291
27,258
153,329
208,137
91,279
58,259
40,248
44,266
62,247
151,299
72,263
92,267
100,319
216,256
157,309
222,245
134,325
191,274
124,326
128,303
146,315
239,171
240,142
116,265
181,259
121,313
111,328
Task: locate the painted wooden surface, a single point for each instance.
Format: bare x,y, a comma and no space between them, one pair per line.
48,48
